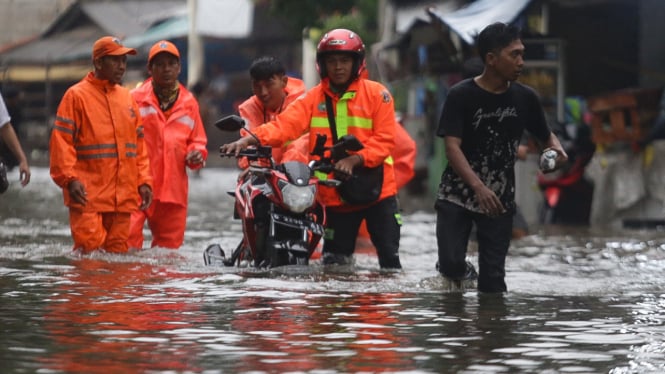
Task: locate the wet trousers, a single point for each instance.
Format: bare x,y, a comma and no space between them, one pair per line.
99,230
383,224
453,228
167,224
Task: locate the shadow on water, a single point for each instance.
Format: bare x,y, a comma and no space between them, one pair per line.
579,301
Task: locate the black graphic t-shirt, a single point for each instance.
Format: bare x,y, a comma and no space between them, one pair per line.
490,126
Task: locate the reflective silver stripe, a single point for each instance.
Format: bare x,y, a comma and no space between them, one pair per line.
97,155
63,129
130,154
65,120
95,146
187,121
147,110
131,145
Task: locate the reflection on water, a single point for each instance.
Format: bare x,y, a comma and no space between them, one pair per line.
104,310
580,301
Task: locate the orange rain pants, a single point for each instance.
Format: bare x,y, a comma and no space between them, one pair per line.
99,230
166,224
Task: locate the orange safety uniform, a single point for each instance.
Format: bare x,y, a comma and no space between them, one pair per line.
256,114
97,139
365,110
405,157
169,136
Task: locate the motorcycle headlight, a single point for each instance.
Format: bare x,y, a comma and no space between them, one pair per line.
298,198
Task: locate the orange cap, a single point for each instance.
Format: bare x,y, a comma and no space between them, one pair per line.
110,46
163,46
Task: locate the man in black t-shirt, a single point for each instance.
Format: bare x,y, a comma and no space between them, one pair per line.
482,122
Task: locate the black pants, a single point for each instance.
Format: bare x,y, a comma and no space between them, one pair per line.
453,227
383,224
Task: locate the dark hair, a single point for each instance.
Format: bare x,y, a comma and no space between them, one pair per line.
496,37
265,68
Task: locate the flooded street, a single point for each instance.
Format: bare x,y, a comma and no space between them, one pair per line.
579,301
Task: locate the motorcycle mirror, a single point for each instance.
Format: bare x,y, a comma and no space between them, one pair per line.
234,123
230,123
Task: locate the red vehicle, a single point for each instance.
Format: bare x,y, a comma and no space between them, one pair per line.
567,192
282,221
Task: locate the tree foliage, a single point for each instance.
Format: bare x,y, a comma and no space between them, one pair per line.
357,15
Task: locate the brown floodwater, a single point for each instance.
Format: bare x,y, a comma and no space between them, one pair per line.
580,301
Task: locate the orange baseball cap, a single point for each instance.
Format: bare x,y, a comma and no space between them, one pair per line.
110,46
163,46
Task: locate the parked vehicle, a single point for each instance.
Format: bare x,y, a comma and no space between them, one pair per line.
282,221
567,192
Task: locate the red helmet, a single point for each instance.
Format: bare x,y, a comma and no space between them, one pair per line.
341,40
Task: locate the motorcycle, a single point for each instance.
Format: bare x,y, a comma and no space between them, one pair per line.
282,221
567,192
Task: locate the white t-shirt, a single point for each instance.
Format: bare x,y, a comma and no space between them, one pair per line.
4,115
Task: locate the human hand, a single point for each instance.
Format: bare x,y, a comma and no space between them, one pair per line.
345,166
237,146
146,196
561,158
77,192
488,201
194,157
24,170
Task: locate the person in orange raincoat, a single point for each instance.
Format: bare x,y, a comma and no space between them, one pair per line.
97,153
346,103
273,91
404,156
175,139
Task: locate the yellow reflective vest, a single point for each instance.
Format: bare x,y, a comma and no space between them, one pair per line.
365,110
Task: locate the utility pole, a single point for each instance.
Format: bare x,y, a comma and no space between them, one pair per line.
195,49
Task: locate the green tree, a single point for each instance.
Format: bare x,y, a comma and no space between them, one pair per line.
358,15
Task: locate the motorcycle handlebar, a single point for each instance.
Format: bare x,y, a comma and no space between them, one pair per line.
243,153
330,168
251,153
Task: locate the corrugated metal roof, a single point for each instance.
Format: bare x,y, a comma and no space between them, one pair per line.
68,40
55,48
71,36
125,18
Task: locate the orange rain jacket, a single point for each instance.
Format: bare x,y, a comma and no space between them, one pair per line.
255,113
365,110
169,140
97,139
404,155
